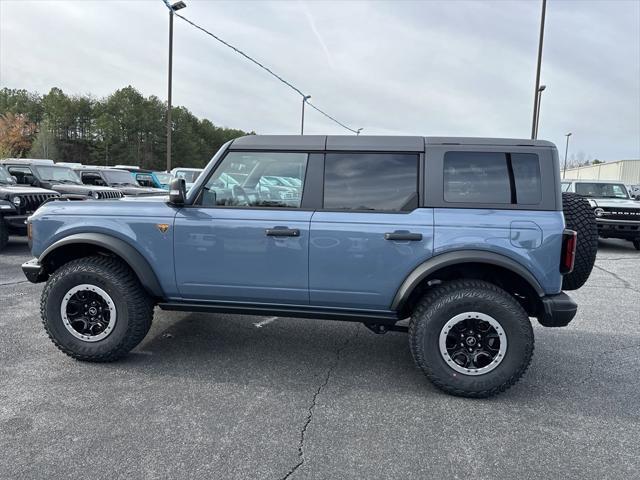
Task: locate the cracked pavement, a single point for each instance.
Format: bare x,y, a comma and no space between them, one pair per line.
216,396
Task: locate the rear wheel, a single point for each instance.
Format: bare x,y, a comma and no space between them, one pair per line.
471,338
579,216
95,309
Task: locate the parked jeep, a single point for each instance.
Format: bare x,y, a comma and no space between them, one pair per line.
62,179
617,214
463,238
16,204
116,178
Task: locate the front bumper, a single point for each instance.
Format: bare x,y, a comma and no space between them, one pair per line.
625,229
557,310
34,271
16,222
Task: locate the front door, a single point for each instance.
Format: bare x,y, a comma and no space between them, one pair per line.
246,239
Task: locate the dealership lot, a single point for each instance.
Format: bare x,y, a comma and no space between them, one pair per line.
221,396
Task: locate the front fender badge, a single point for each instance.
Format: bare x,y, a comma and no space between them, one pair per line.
163,227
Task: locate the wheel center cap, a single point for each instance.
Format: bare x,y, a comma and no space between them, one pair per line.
471,341
93,311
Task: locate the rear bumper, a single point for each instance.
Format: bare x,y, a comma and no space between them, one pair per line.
34,271
557,310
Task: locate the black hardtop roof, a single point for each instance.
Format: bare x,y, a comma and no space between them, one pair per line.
387,143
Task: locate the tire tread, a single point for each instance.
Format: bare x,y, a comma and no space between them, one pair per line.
435,298
139,304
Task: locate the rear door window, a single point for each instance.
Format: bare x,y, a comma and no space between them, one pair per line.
371,181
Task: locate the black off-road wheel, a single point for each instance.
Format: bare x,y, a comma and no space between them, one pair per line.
636,243
95,309
4,234
579,216
471,338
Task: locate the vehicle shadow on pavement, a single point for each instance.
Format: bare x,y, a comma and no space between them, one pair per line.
571,369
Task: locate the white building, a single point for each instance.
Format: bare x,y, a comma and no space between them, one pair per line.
625,171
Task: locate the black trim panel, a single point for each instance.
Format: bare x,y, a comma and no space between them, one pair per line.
130,255
558,310
294,311
454,258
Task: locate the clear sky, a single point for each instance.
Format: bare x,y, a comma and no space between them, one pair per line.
427,68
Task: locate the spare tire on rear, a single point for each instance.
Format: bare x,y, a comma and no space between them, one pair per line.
579,216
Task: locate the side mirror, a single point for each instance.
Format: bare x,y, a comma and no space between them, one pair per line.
177,192
14,178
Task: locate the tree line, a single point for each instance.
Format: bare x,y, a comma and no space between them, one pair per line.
123,128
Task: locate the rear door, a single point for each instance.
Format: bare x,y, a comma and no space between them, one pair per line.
246,238
370,233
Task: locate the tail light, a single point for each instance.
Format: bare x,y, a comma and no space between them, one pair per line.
568,257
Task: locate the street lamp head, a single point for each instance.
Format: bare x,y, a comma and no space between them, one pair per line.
568,134
306,97
178,6
358,131
541,88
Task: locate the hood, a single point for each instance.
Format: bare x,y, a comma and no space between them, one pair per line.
79,189
147,198
124,207
614,203
22,190
140,191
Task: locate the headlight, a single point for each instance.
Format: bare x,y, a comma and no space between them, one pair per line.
17,201
95,194
599,212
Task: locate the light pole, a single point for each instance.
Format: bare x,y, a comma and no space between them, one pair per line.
535,96
540,90
358,131
304,100
175,7
566,151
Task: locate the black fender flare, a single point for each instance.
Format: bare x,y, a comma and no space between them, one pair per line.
129,254
458,257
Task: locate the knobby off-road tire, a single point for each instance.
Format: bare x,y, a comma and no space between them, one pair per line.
4,234
444,304
579,216
133,308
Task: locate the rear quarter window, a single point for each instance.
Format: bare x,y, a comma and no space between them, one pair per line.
492,178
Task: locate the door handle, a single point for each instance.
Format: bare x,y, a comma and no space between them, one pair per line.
282,232
406,236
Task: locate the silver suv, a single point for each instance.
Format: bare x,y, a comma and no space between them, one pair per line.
617,214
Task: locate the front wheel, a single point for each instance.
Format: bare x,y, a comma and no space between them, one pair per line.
471,338
636,243
95,309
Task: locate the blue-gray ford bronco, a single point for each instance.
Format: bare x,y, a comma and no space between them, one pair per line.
457,241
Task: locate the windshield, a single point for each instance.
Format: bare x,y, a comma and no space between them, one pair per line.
163,177
188,175
4,176
57,174
119,177
602,190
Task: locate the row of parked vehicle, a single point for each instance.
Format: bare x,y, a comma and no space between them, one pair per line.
25,184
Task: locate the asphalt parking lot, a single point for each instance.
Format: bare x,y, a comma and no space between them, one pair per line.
208,396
